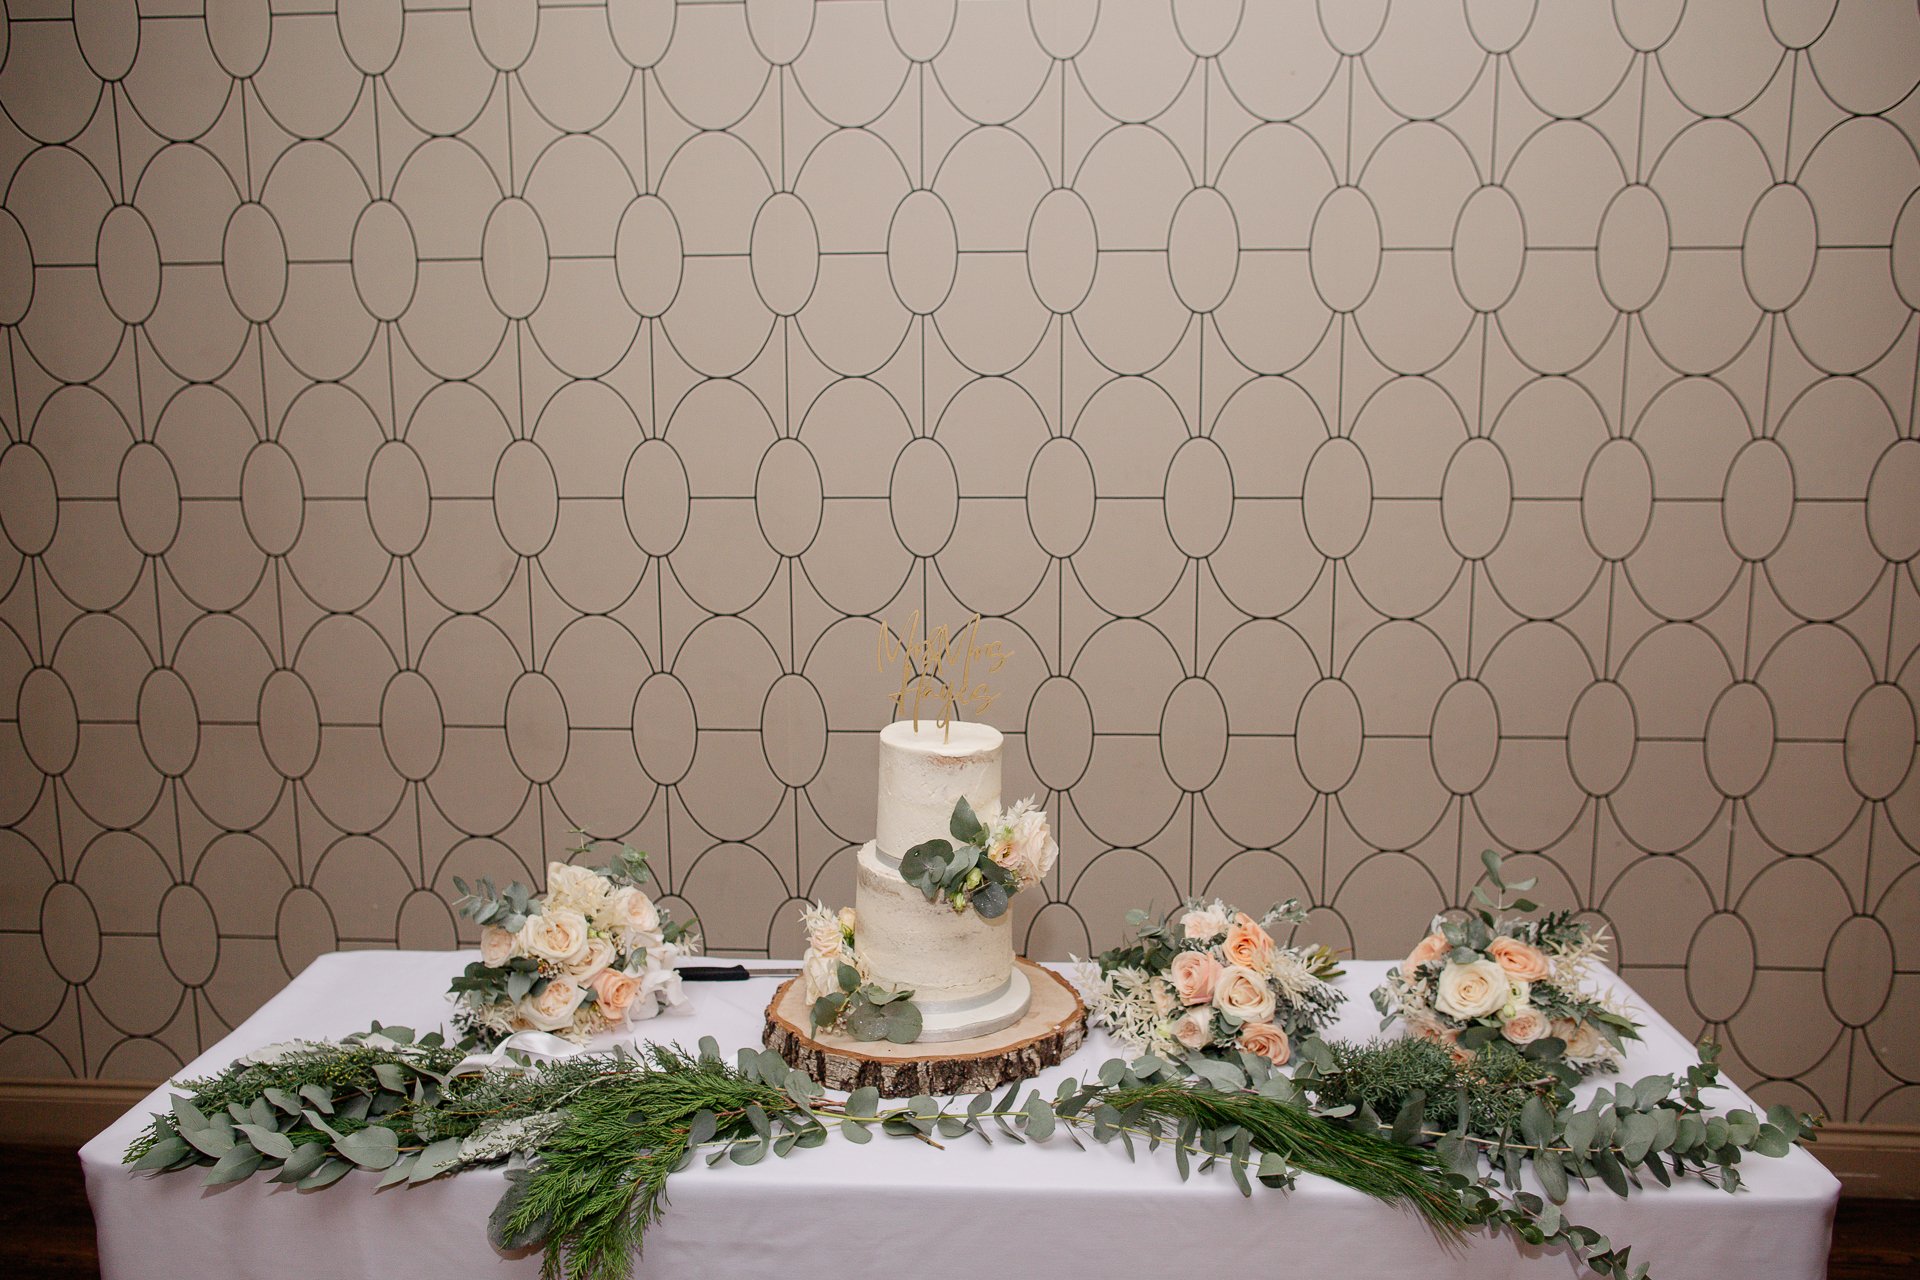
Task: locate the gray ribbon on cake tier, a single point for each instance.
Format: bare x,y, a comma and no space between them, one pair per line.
887,860
963,1006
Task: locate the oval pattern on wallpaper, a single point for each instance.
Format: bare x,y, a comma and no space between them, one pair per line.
1347,495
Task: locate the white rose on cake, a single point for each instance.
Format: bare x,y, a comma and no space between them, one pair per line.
1022,843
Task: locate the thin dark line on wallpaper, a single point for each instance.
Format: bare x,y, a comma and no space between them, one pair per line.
1786,146
1493,138
1640,129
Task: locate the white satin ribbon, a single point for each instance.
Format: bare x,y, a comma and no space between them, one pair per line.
541,1045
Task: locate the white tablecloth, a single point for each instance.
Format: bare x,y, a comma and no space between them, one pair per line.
896,1209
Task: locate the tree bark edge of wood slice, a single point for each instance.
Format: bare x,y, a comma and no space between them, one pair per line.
1048,1035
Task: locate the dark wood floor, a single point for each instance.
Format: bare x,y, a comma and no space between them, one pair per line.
46,1228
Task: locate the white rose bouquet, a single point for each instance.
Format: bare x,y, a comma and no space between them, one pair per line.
1521,981
590,955
1210,980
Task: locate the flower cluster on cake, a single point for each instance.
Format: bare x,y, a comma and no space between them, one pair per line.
590,955
1209,979
1489,977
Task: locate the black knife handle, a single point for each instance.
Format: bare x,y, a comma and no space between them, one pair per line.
713,972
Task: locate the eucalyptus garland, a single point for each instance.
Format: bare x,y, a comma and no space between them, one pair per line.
593,1139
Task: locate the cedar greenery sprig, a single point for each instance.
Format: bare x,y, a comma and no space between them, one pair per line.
607,1131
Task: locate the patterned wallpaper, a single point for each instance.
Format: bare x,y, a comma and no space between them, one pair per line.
1381,430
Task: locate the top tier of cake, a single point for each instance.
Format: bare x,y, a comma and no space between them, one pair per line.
924,772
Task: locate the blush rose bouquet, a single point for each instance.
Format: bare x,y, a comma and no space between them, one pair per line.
1209,980
590,955
1526,982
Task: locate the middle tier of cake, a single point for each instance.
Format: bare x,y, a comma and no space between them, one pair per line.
958,965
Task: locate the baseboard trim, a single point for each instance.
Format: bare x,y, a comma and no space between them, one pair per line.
1872,1161
65,1112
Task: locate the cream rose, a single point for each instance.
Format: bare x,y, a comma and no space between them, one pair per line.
1583,1038
1431,948
1194,975
554,1007
1166,1001
1204,925
496,946
1243,994
576,888
847,918
593,958
1471,990
556,935
1520,960
1248,945
1034,849
1193,1028
634,910
614,992
822,974
1525,1025
1267,1040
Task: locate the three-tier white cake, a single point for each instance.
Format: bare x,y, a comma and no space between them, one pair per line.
958,965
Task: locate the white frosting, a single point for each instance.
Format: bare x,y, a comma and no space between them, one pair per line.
942,955
927,946
922,774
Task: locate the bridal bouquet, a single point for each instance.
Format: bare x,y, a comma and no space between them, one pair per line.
1523,981
591,954
1210,979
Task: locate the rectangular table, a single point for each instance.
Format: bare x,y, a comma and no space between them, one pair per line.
897,1209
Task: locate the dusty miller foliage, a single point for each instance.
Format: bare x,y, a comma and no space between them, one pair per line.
1399,1121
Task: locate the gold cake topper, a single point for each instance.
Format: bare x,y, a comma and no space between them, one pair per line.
924,669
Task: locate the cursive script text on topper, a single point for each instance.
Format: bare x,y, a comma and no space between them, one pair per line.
926,669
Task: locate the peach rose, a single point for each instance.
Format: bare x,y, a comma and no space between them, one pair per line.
553,1008
1526,1025
1248,944
1194,974
614,992
593,958
1520,960
1431,948
1243,994
559,936
1203,925
1267,1040
1471,990
1192,1029
496,946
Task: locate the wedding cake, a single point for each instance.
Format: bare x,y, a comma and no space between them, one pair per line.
958,964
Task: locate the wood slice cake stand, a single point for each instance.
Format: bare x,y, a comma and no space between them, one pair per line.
1051,1030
